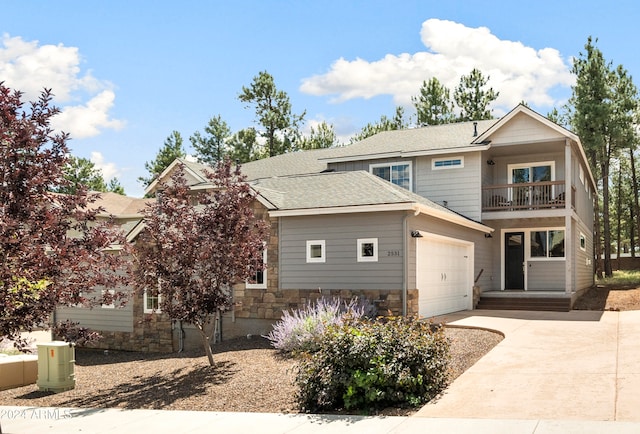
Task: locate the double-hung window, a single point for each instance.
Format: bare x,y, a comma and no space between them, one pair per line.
398,173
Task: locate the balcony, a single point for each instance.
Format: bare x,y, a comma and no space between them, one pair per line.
525,196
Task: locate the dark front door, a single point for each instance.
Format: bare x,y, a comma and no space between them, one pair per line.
514,260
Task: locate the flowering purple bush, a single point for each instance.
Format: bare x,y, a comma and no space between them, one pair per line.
302,330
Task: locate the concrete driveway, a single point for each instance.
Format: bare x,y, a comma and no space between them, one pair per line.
578,365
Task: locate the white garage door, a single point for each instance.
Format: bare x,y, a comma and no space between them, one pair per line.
444,275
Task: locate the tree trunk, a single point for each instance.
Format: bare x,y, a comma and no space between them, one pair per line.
634,192
597,246
632,227
606,222
619,216
206,341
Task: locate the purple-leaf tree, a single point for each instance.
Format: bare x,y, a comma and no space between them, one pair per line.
53,248
196,245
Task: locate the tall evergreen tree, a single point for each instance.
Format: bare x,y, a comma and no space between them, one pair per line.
323,136
473,98
273,113
211,148
81,171
244,147
433,105
603,110
172,149
398,122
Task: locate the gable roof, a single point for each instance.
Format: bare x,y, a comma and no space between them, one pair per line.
192,168
348,192
523,109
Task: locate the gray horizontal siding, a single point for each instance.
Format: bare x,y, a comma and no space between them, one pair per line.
341,269
546,275
459,187
583,259
365,165
99,319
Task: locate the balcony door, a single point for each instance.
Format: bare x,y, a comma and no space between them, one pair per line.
528,174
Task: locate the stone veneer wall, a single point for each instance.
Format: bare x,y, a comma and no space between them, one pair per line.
151,332
270,304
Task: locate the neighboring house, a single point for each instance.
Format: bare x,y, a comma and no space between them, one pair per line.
422,221
131,327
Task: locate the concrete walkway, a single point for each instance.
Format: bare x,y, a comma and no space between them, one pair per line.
575,372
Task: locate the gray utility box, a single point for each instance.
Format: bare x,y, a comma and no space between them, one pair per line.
56,364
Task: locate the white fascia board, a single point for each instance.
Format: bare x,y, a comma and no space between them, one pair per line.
151,187
405,206
402,154
447,151
395,154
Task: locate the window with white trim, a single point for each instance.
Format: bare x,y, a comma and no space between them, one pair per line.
447,163
547,244
112,293
532,172
398,173
316,251
367,250
583,242
151,301
258,278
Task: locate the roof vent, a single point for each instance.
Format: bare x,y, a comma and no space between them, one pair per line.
475,129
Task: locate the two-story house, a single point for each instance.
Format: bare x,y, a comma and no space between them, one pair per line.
422,221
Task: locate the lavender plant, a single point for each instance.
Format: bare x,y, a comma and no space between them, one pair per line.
302,330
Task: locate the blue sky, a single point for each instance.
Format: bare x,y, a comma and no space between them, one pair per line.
128,73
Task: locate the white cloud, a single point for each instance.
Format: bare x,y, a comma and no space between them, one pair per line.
30,67
109,170
518,72
87,120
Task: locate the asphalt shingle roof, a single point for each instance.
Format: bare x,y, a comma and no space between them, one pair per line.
424,139
335,189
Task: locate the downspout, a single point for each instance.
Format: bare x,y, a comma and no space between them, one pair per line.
405,260
180,337
405,263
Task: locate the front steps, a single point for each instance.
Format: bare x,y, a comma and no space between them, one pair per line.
520,300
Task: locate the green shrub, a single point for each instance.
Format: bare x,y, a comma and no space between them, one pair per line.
364,365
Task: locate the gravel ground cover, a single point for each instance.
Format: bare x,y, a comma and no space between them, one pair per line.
249,376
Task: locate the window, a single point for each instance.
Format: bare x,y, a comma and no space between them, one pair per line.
258,279
547,244
583,242
396,173
581,174
151,301
316,251
367,250
531,172
447,163
111,305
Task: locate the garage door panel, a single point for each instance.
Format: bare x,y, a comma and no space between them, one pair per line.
443,273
